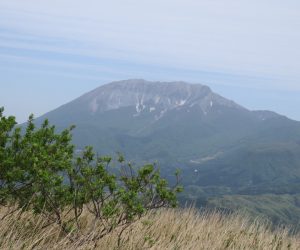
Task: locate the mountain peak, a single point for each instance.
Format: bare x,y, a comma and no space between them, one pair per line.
162,96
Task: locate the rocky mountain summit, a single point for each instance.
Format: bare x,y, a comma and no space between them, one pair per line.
153,96
142,98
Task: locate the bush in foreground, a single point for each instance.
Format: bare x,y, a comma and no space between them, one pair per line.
41,174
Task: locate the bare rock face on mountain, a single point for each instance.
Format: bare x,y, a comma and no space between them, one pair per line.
149,96
185,125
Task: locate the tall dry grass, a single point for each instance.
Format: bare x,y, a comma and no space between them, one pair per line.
165,229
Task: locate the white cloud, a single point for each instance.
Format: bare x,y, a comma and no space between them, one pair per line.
257,37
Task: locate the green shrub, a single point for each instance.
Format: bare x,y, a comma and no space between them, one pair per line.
40,172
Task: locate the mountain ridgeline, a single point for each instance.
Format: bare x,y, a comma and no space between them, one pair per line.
222,148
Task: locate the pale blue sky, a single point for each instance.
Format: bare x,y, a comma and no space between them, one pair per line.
54,51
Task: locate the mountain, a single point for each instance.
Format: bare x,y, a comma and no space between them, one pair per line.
221,147
188,125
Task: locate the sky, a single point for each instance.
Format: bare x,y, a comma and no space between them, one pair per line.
53,51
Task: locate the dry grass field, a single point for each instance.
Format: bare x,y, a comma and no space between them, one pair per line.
166,229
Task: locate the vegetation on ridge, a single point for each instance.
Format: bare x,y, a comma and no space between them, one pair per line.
54,198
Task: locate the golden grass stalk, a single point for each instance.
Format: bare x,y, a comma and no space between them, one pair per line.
164,229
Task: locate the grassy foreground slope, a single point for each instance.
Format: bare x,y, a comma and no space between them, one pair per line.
165,229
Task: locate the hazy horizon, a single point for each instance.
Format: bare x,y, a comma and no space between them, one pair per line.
54,51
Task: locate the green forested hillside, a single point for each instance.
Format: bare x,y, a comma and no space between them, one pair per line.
280,209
